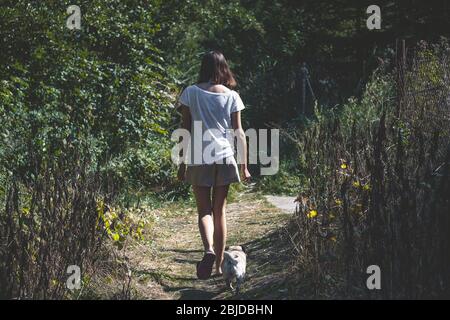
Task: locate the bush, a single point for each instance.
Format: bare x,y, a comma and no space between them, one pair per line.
378,187
73,104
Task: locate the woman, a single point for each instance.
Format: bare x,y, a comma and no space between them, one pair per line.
210,109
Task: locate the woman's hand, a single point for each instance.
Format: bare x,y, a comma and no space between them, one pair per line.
181,172
245,174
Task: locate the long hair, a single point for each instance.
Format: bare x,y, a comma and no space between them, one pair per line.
215,69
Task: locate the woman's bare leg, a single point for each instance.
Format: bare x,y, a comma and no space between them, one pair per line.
205,220
219,201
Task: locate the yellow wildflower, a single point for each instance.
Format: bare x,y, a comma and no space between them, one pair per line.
312,214
115,237
343,166
338,202
356,184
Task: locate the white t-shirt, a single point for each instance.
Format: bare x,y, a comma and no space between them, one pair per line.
211,119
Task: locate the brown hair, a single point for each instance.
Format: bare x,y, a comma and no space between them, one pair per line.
215,68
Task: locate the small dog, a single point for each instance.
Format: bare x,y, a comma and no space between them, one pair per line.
234,265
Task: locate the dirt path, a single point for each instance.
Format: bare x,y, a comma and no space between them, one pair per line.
164,267
284,203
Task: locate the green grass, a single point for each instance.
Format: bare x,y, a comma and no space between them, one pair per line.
288,181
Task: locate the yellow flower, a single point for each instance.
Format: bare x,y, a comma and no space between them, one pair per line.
115,237
366,187
356,184
312,214
343,166
338,202
333,238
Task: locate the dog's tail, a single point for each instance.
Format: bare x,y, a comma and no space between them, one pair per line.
228,258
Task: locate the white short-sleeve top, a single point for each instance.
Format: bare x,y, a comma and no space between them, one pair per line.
211,134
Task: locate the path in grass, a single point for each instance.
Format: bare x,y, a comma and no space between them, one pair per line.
164,268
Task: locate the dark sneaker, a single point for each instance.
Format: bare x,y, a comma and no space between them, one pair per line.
204,267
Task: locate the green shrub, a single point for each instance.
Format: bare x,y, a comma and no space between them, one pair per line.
83,114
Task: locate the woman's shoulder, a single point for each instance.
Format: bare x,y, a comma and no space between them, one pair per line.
235,94
216,89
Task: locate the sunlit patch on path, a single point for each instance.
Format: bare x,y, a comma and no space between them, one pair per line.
283,203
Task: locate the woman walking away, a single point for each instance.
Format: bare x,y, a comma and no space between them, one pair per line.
210,112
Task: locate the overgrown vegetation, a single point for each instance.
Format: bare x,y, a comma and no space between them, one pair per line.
378,187
83,114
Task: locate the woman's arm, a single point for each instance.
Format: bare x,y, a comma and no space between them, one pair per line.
241,144
185,124
185,118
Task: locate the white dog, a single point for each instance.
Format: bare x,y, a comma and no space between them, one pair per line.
234,265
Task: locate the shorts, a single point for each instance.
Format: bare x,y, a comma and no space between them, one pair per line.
215,174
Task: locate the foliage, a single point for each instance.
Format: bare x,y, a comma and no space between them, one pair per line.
378,187
266,43
104,84
287,181
74,108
